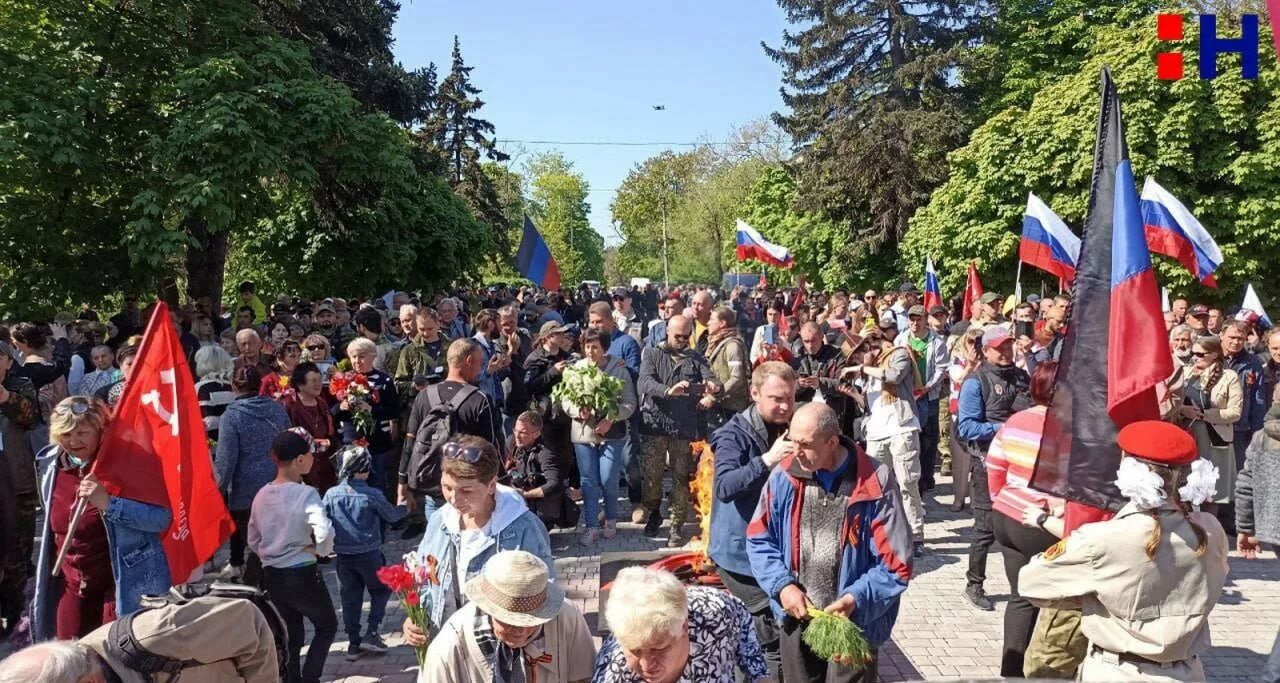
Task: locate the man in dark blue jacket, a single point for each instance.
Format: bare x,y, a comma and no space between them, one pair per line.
744,457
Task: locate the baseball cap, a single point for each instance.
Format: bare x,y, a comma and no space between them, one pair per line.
325,306
291,443
989,298
1198,309
552,327
938,309
888,319
908,288
916,310
1033,298
994,336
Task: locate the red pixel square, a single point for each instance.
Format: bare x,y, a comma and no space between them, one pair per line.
1169,66
1169,26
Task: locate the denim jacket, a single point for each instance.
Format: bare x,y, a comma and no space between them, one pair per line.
512,527
138,562
358,512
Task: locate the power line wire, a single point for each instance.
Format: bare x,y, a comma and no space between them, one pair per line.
615,143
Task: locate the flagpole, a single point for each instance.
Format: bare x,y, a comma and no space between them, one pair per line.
71,534
1017,283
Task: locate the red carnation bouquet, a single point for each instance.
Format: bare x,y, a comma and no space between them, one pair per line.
407,581
353,390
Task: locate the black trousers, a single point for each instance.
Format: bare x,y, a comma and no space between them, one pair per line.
928,410
252,575
800,665
1018,544
980,500
299,592
749,592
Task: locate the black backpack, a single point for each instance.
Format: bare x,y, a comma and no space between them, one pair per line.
123,645
439,425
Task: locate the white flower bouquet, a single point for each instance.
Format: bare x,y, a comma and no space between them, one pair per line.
587,386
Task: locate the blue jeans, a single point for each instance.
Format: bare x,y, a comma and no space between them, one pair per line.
600,466
357,574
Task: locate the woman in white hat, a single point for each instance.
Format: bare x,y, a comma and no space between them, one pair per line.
516,628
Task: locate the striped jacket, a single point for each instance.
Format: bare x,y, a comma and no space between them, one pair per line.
1011,460
875,553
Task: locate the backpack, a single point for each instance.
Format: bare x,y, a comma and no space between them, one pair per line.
124,645
439,425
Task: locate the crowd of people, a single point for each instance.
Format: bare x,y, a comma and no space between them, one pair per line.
829,416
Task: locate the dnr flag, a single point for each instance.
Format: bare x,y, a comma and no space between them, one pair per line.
534,259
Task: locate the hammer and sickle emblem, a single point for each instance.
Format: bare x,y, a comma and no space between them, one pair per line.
151,399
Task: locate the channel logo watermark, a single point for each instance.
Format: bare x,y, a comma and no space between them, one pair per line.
1169,28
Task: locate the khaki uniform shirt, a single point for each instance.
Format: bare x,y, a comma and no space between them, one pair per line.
1157,608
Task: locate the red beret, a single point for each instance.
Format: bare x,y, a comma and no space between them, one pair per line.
1159,442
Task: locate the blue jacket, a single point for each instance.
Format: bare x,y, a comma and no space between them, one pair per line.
624,346
512,527
243,462
1256,403
490,384
971,421
657,334
138,562
875,563
739,447
358,512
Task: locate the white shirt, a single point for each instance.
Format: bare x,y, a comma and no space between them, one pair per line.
886,419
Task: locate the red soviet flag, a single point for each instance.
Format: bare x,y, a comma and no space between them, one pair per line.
972,292
155,450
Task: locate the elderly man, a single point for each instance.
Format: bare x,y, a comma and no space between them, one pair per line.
746,449
516,344
451,323
516,626
675,385
249,344
663,632
829,532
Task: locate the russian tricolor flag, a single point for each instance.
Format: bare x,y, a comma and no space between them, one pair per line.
1047,242
534,259
932,292
751,245
1173,231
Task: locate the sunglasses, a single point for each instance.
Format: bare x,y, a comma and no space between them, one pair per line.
394,322
76,405
314,347
468,454
1199,354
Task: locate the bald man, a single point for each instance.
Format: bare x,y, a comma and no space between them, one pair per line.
830,532
702,304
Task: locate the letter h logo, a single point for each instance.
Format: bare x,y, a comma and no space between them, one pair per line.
1169,64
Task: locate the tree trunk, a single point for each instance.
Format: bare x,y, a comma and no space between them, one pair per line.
205,262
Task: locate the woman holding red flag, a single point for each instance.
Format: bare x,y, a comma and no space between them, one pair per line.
115,556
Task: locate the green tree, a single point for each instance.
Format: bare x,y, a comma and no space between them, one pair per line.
559,208
644,204
704,234
509,186
149,141
456,132
874,105
1213,144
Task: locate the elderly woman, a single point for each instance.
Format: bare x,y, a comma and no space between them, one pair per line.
316,349
213,390
243,462
517,626
287,357
384,404
115,555
599,442
480,518
308,408
663,632
1208,401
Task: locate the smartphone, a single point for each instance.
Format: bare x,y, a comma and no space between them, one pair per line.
1023,328
697,389
770,334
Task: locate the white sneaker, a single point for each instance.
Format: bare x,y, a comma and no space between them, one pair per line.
231,572
589,537
610,529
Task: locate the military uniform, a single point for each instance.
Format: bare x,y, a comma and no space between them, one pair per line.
1146,618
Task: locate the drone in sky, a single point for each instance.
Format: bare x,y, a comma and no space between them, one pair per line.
659,107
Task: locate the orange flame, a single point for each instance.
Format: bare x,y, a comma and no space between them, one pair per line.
700,488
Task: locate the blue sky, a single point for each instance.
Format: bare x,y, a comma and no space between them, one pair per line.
579,70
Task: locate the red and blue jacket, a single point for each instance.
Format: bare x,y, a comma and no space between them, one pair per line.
875,553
